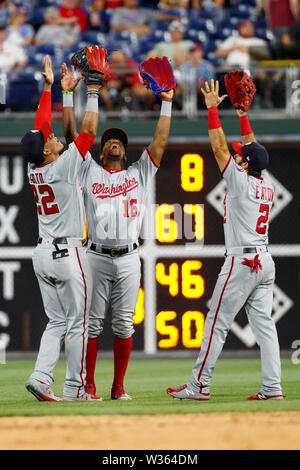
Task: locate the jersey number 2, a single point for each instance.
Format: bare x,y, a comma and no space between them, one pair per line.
261,225
44,196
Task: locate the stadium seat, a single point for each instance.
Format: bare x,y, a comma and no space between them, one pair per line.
94,37
243,12
46,49
225,29
49,3
23,92
37,18
197,36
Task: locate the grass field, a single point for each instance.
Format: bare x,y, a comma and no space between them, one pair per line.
146,381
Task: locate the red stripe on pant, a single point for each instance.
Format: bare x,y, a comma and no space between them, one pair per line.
215,319
84,320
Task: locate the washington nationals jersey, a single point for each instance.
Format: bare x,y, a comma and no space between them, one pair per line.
115,200
247,206
58,195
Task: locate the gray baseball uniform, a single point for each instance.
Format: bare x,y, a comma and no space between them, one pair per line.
61,267
114,202
242,281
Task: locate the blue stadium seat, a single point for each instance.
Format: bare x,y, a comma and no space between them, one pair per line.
155,36
46,49
94,37
242,11
23,92
197,36
225,29
49,3
160,25
37,18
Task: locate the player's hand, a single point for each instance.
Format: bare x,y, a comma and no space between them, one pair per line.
48,73
67,79
240,112
211,94
167,95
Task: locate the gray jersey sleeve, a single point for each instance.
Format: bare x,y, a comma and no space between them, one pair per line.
69,163
235,177
146,168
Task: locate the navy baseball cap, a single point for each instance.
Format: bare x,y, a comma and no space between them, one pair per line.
253,153
33,142
114,133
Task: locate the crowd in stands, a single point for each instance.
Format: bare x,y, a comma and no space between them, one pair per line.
202,38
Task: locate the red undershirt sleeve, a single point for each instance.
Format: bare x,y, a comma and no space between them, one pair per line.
84,142
43,113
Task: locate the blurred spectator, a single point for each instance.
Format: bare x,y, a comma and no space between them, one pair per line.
238,50
5,10
289,45
280,14
113,3
195,70
96,9
134,19
73,15
170,4
19,32
125,87
176,49
217,8
53,32
12,57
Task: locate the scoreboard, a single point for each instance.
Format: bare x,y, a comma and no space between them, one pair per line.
181,248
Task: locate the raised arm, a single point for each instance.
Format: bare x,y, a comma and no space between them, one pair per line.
246,131
68,85
43,113
162,131
216,134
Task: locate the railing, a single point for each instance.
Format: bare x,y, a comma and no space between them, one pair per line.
278,95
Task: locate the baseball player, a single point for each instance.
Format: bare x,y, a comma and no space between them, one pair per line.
248,273
59,260
114,201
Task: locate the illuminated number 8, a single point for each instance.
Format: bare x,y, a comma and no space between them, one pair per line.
192,172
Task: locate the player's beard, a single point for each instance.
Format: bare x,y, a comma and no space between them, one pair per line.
114,156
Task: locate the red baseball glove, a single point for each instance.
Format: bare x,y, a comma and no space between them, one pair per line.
157,75
240,89
92,62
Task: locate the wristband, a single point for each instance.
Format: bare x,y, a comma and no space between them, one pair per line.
245,125
92,103
166,108
67,99
213,118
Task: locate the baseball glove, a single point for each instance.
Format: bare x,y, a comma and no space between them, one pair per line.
240,89
157,75
92,62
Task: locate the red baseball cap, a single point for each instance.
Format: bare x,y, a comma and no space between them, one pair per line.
253,153
237,147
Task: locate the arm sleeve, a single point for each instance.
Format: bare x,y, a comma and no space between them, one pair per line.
83,143
43,113
235,177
